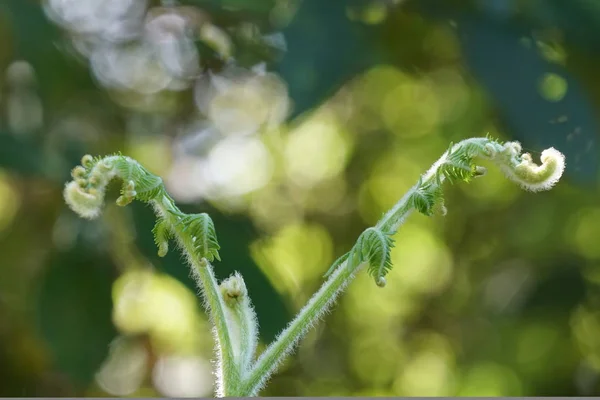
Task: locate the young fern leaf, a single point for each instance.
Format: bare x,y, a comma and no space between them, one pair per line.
375,247
424,197
457,167
162,234
459,164
202,231
146,185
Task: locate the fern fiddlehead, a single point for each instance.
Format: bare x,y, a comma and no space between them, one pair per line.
373,248
229,305
194,233
456,164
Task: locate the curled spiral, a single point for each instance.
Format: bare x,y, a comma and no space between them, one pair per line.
531,176
85,193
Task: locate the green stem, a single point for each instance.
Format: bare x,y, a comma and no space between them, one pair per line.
320,302
285,342
195,235
85,195
343,274
396,216
241,319
317,305
228,374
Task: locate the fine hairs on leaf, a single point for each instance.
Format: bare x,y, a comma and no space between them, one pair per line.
238,372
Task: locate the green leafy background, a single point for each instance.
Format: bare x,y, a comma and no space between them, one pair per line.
499,297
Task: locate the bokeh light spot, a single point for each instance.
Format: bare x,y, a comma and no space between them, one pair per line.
422,263
584,229
10,202
177,376
411,109
553,87
534,343
316,150
297,253
489,379
124,370
238,165
429,371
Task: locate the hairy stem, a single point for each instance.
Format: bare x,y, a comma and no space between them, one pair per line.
308,315
193,233
242,320
394,218
456,163
228,376
228,305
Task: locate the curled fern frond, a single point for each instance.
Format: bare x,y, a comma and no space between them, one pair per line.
194,233
531,176
85,195
458,164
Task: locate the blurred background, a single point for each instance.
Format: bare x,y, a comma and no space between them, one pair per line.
296,124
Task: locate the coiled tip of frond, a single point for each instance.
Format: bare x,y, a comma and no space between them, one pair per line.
534,177
85,202
85,194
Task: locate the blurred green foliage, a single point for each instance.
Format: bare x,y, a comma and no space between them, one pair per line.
499,297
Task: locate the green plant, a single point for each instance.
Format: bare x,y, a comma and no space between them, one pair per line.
239,372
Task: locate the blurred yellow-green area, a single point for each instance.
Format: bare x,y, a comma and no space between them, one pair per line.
296,124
